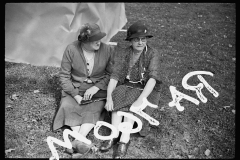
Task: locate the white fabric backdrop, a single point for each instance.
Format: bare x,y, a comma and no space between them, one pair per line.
38,33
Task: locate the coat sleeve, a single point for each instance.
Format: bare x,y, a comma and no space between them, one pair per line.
154,67
65,73
103,83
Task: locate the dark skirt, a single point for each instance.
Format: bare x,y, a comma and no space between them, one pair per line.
124,97
72,114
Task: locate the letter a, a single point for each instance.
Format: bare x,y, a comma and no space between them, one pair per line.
177,96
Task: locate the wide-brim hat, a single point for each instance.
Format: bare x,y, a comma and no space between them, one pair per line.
138,29
90,32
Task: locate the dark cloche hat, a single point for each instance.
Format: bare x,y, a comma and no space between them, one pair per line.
138,29
90,32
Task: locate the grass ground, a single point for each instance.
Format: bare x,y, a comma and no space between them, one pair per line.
190,37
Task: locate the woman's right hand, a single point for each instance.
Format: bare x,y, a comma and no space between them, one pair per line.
78,98
109,104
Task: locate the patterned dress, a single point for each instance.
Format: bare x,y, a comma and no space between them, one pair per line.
127,93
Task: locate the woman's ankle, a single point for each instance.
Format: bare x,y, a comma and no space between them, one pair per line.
124,139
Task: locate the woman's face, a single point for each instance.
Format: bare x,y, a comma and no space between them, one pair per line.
139,43
95,45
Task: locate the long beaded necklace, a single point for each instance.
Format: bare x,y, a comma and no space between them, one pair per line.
133,59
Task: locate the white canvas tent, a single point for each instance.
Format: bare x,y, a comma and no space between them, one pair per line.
38,33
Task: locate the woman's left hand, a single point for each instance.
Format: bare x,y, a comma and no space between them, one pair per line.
90,92
137,103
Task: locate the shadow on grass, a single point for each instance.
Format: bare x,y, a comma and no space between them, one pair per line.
15,84
55,89
8,65
20,85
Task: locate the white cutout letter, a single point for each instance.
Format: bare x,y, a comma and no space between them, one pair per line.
126,127
138,110
99,124
66,142
210,89
177,96
199,87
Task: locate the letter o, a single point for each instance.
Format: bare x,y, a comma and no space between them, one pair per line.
99,124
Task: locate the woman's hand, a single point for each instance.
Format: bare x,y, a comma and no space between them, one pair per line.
90,92
109,104
78,98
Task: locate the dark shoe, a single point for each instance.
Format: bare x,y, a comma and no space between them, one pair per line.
122,150
79,147
82,147
108,144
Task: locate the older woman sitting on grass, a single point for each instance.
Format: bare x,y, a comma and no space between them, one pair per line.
136,71
84,76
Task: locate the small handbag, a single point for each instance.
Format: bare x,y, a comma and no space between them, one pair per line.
99,96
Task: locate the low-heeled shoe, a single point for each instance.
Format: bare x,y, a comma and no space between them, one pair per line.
121,150
108,144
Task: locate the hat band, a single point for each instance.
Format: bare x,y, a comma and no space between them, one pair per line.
96,37
139,35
